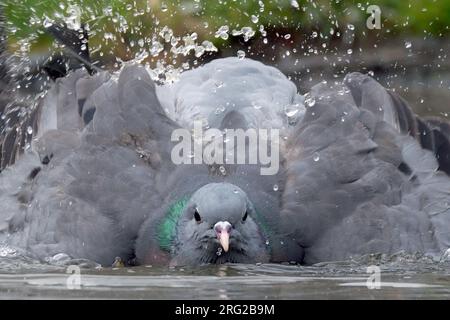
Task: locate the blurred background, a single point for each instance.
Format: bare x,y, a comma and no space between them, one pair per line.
403,44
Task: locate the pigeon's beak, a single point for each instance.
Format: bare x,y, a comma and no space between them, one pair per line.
224,239
223,229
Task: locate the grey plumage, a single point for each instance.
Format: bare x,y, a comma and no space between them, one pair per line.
356,199
196,242
353,179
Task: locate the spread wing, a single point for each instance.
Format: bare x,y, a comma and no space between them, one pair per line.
98,169
357,180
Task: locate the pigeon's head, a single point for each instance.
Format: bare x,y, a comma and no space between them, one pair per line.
218,225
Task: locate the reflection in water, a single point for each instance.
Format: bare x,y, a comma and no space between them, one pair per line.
402,277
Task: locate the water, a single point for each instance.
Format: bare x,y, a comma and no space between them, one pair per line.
401,278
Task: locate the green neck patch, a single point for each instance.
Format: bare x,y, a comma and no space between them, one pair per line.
167,228
166,231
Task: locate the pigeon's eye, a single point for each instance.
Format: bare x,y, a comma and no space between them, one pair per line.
197,216
244,217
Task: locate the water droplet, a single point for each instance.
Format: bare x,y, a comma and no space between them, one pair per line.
219,251
350,27
163,7
241,54
6,251
295,4
199,50
349,51
107,11
293,112
310,102
287,36
267,242
218,84
30,130
47,22
275,187
156,48
108,35
220,109
255,19
209,46
193,36
408,44
316,157
290,112
256,106
222,32
73,21
247,32
222,170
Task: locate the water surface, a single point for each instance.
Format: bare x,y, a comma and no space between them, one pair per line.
401,278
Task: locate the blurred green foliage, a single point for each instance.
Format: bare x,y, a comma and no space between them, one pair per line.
134,19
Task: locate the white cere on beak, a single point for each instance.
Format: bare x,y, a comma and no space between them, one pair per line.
223,229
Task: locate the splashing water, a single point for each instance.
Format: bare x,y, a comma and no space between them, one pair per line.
222,32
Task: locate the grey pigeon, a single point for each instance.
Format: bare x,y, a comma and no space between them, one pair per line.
99,183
